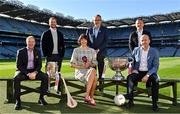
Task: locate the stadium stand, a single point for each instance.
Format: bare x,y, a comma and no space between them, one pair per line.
177,53
118,51
68,52
165,30
167,51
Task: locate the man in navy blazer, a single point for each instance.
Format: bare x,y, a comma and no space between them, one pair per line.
145,67
29,63
52,45
135,35
98,39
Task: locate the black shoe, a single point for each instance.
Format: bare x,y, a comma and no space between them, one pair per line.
42,101
17,105
149,92
58,93
48,91
130,104
155,108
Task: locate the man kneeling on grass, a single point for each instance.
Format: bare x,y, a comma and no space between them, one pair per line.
29,63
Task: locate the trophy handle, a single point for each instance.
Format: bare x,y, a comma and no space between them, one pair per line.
130,60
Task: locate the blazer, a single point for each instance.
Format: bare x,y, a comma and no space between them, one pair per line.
47,44
100,42
153,60
133,39
22,60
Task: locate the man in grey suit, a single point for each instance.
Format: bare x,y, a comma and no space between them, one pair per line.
145,67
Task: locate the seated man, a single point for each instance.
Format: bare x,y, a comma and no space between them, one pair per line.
29,65
145,67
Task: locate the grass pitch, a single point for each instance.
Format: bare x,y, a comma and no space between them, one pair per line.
169,68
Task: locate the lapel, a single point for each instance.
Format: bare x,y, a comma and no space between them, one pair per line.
136,37
50,35
26,56
149,56
149,53
138,57
34,52
57,35
139,54
36,56
99,32
91,35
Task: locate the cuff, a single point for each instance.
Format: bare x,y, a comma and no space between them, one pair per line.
36,72
148,75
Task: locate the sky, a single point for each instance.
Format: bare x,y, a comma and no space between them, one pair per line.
108,9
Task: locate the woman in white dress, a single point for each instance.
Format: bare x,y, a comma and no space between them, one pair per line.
84,61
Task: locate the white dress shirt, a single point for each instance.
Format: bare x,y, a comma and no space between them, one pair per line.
139,36
143,61
55,40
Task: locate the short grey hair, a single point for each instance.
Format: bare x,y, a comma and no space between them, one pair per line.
30,37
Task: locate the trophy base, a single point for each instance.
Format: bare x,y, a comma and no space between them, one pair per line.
118,77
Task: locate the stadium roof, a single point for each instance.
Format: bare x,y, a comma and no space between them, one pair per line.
171,17
17,9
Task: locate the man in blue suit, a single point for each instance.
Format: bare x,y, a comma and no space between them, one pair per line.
145,67
98,40
135,36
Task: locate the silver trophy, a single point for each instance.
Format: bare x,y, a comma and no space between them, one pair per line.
52,69
118,64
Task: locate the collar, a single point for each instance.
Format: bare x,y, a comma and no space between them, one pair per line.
143,49
53,29
96,28
29,49
141,31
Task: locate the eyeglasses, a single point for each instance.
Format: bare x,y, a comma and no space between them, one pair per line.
97,20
